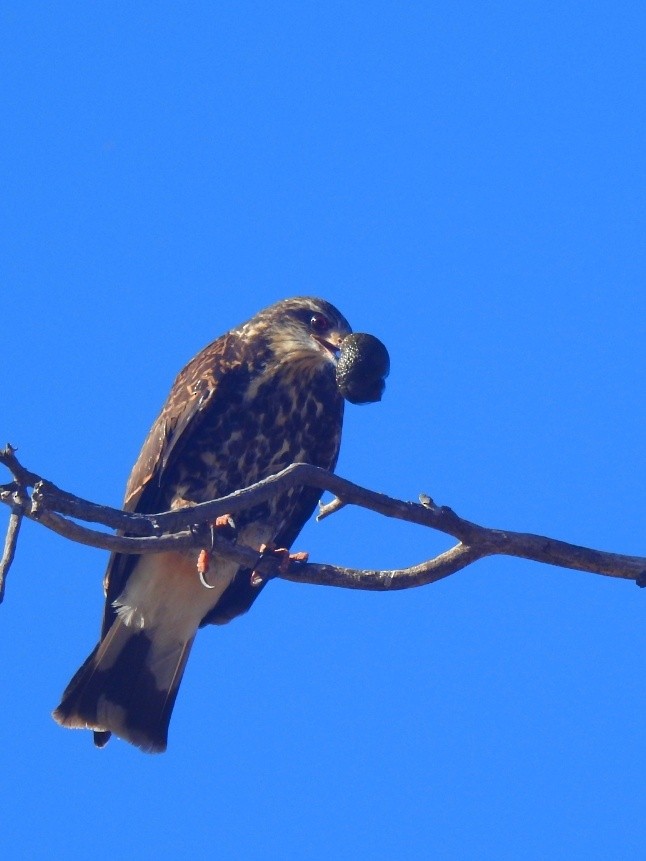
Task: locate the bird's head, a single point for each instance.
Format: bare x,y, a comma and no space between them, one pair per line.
304,330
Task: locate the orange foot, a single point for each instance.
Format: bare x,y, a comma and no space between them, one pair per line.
285,560
224,521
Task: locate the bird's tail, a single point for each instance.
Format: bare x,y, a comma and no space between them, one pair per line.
127,686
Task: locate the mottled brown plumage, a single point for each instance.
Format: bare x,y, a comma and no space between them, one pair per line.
262,396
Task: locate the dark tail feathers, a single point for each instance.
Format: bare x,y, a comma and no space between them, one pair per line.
127,686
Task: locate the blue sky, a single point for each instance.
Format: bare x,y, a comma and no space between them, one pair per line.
465,181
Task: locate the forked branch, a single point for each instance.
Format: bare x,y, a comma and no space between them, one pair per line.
31,496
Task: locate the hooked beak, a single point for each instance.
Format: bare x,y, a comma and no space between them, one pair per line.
331,343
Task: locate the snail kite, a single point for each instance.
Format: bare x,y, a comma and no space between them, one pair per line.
259,398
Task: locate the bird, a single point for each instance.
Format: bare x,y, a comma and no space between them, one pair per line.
257,399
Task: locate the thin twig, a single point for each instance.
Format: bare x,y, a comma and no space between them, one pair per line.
328,508
13,530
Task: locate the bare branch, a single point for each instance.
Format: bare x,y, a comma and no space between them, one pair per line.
187,539
185,529
15,520
441,566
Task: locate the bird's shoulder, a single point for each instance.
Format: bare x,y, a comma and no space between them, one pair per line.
218,375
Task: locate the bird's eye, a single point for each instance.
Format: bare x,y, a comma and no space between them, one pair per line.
320,323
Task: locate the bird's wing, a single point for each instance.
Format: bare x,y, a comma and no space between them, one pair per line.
205,383
197,390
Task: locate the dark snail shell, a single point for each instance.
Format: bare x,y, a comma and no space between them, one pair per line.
363,365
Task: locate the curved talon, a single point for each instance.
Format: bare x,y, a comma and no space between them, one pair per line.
203,561
202,577
204,558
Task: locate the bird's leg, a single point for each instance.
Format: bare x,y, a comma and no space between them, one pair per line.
224,521
204,556
283,555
